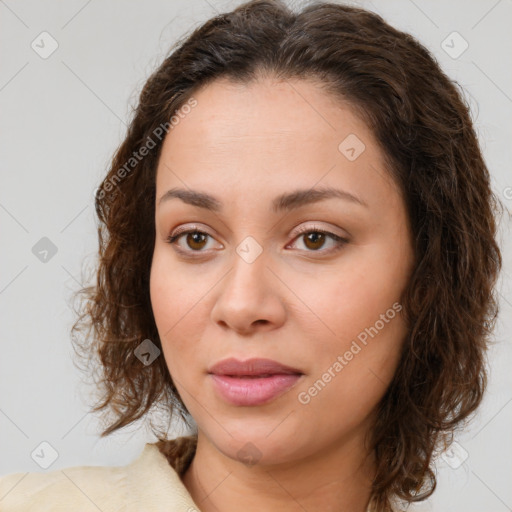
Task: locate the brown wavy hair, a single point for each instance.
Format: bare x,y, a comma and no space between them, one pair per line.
422,122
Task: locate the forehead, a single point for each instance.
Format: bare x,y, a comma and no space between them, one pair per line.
270,134
293,109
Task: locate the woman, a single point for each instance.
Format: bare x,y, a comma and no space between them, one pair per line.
298,256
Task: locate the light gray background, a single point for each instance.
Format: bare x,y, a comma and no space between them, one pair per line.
62,118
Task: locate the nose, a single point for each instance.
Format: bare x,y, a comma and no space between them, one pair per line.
249,298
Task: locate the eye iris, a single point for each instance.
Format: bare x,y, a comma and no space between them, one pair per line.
313,240
315,237
196,238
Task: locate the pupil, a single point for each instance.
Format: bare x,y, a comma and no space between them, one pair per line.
196,238
315,238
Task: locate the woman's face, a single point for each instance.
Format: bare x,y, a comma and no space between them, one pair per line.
266,276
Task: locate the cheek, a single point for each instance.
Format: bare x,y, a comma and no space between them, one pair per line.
361,291
354,372
361,307
173,292
178,305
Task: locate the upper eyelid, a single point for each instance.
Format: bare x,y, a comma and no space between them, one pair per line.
306,229
315,227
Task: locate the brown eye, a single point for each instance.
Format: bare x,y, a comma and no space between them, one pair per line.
196,240
318,240
314,240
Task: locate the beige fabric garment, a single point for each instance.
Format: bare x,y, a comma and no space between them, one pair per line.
148,484
151,483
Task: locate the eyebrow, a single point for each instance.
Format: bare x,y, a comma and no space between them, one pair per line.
284,202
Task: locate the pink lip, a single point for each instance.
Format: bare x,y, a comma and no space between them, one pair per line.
252,382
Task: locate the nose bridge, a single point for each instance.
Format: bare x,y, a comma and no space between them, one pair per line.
247,296
249,270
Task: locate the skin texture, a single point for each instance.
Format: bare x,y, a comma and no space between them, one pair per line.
300,302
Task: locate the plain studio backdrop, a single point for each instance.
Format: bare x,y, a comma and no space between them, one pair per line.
70,72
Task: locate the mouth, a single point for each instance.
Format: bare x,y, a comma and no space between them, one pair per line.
252,382
251,368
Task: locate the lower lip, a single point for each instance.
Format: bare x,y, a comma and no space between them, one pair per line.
255,390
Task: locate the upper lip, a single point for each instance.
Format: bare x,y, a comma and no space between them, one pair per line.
254,366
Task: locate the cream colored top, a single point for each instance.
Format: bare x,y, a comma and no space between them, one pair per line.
151,483
148,484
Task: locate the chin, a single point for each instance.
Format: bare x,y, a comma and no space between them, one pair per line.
252,442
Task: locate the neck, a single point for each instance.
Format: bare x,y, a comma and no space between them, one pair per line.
339,479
